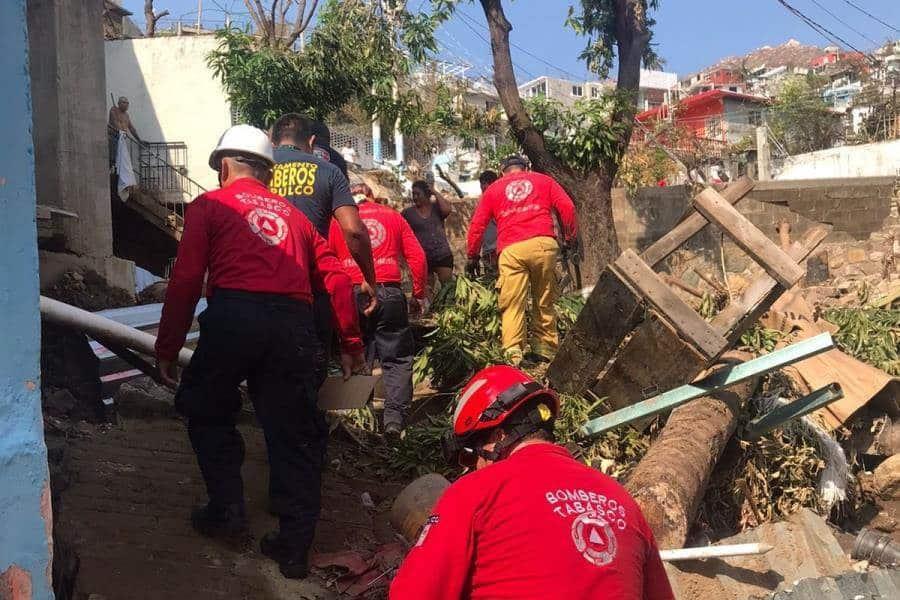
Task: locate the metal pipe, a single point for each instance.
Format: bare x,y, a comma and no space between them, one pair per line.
714,551
799,407
104,329
723,378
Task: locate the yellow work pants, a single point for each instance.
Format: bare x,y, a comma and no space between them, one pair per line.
530,263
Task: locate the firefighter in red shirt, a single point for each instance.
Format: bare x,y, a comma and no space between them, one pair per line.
522,203
261,255
386,332
531,522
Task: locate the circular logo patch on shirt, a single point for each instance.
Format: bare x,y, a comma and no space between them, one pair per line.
518,190
377,232
594,539
269,226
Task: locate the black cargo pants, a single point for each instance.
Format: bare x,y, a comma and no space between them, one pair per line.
270,342
388,338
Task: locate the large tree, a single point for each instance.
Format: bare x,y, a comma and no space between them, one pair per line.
281,22
618,31
357,52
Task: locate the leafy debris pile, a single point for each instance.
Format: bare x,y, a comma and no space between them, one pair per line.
466,336
870,334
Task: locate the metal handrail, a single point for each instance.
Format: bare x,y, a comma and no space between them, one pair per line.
180,182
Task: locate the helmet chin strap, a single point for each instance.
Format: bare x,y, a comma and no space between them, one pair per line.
534,420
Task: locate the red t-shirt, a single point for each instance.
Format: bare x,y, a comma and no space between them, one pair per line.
522,205
250,239
391,238
536,525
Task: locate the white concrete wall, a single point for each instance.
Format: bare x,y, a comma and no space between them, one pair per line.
868,160
174,96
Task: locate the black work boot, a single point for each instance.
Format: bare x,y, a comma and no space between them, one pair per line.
291,563
228,523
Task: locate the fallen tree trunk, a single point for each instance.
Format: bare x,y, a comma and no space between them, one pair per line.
671,479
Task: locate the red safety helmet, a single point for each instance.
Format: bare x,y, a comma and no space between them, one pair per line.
487,400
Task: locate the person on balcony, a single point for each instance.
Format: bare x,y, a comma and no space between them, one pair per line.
120,120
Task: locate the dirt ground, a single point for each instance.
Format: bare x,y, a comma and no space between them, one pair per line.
126,512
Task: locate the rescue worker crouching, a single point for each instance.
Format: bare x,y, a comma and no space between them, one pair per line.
531,522
523,203
261,255
386,331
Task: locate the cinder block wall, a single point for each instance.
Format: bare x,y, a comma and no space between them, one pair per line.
864,244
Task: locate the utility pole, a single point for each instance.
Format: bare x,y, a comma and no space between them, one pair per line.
199,14
763,155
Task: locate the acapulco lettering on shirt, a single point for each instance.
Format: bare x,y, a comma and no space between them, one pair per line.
294,179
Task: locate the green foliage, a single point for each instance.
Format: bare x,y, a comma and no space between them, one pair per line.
760,339
466,335
492,156
801,119
615,452
584,137
353,53
596,20
419,452
870,334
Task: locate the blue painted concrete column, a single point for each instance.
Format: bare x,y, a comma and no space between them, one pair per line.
25,515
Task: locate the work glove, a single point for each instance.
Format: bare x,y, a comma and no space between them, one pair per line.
473,267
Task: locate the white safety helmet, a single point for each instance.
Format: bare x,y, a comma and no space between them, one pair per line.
244,139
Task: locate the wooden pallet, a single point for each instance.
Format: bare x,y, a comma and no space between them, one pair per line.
637,337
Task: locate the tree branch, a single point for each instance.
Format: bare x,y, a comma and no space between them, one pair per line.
522,127
302,21
152,18
632,37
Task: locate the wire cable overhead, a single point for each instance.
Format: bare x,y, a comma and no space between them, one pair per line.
870,15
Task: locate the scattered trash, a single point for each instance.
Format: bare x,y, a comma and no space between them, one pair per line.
366,499
877,548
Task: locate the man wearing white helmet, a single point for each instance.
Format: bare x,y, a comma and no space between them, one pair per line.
261,255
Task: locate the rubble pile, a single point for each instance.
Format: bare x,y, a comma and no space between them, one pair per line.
89,291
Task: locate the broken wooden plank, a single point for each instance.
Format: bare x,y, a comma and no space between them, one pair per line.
741,314
750,239
653,360
682,317
692,224
610,313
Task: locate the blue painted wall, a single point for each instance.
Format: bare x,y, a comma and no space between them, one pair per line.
23,456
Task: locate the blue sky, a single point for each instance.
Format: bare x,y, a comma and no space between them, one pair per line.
690,34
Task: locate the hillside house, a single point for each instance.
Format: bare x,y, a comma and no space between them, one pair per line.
720,117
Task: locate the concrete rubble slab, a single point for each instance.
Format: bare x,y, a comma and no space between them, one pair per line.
804,548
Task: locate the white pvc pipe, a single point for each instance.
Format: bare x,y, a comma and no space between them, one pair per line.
105,329
714,551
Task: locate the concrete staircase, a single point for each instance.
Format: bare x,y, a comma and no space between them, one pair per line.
147,225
